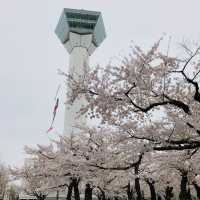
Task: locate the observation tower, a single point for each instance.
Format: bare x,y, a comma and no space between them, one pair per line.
80,32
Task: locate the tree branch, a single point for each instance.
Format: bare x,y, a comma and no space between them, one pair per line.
180,147
120,168
170,101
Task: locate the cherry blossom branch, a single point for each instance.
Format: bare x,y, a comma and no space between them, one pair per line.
170,101
189,80
121,168
182,144
59,186
196,75
46,156
192,126
179,147
192,56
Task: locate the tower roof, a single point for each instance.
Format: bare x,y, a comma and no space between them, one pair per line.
82,22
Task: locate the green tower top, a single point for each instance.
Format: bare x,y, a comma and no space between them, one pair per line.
82,22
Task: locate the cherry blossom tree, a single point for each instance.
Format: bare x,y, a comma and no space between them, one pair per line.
4,179
147,142
106,165
33,175
145,85
152,99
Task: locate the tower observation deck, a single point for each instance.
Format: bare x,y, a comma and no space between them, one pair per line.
80,32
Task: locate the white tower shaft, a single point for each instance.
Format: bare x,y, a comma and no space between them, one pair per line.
77,46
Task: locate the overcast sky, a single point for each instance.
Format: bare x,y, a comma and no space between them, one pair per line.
30,55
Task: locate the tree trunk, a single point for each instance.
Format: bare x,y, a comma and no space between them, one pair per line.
152,189
57,195
88,192
42,197
99,196
169,193
76,189
197,188
102,195
184,193
129,192
159,197
69,193
39,196
137,184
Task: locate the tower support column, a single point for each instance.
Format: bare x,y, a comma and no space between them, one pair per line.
78,68
77,46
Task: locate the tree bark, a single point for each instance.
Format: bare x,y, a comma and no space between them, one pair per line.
102,195
39,196
42,197
159,197
88,192
152,189
137,183
57,195
129,192
69,193
197,188
169,193
184,193
76,189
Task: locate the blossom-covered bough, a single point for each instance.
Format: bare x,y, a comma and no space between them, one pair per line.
148,141
151,99
152,95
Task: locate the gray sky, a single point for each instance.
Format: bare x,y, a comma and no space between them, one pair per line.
31,54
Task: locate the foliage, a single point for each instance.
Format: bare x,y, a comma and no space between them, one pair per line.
149,137
3,180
